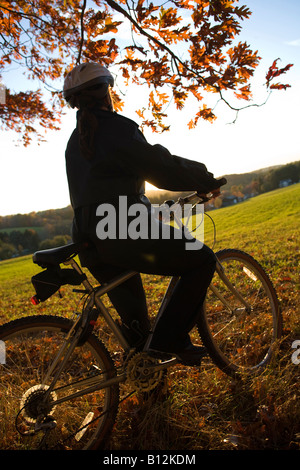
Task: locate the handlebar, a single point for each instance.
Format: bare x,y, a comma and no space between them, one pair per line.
194,198
200,198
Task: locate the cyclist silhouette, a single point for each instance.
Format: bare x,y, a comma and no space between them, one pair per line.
106,157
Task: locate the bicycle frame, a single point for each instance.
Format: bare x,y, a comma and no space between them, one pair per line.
95,295
93,384
71,342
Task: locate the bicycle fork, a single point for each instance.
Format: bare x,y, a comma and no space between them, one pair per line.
221,272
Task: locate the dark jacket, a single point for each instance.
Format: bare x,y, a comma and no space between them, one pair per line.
123,161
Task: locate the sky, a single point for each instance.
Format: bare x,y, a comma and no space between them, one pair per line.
34,178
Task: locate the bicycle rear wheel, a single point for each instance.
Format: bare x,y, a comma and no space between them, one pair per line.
84,422
240,335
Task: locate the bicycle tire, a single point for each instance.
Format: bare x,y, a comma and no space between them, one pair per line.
31,343
241,341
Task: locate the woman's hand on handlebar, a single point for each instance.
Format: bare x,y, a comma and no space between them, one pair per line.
214,192
222,181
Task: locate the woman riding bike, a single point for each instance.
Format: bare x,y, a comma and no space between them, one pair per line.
107,157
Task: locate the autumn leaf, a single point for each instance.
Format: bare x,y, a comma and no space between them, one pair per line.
273,72
244,93
204,113
279,86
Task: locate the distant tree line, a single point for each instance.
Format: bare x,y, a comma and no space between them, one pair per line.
17,242
289,173
240,187
51,220
21,234
264,180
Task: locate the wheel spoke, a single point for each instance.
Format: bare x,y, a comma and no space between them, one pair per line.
31,346
240,321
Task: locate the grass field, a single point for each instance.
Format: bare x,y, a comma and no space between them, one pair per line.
205,409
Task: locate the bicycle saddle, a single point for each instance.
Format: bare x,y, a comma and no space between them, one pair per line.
55,256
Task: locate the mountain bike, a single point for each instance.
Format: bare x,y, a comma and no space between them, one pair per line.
60,384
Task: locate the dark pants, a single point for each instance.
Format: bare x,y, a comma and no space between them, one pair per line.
110,257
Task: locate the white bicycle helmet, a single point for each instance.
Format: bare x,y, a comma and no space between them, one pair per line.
84,76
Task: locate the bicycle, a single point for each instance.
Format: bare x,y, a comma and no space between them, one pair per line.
62,384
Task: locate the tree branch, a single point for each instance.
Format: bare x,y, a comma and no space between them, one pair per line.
237,110
176,60
121,10
82,31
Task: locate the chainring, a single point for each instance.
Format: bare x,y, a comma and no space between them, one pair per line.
141,373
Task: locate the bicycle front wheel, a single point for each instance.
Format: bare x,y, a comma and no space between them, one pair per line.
241,320
83,422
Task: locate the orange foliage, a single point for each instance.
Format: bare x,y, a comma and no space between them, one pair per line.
46,38
273,72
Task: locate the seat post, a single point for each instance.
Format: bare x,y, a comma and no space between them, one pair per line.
77,268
